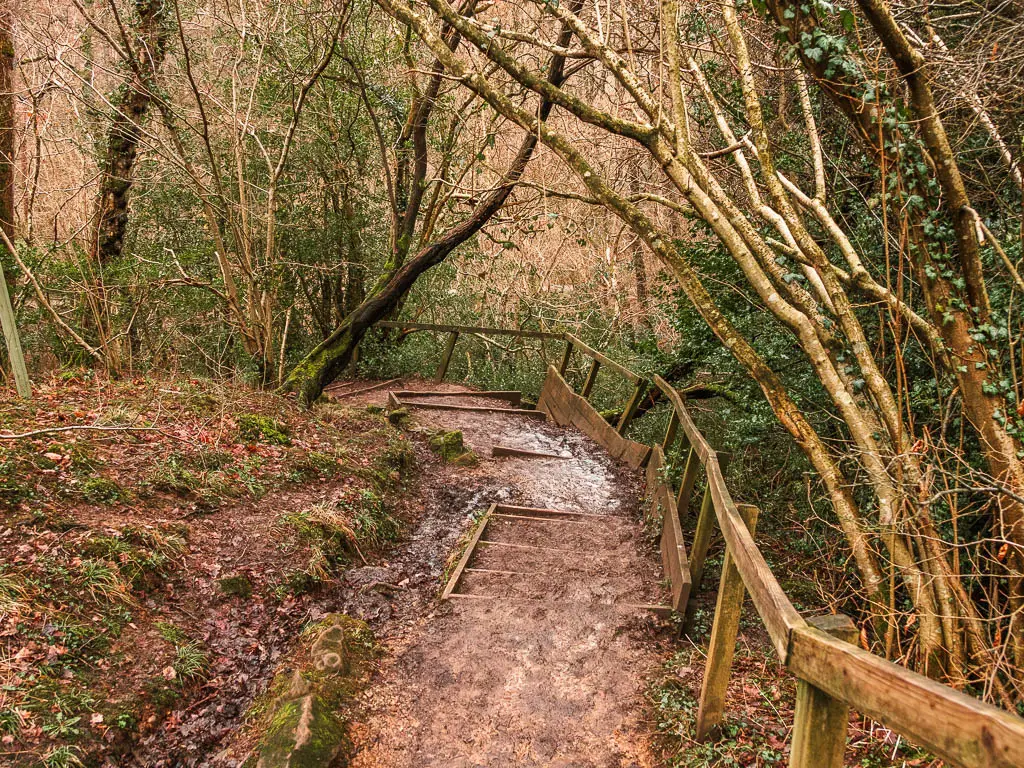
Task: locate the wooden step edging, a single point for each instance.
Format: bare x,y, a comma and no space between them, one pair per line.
397,402
513,396
501,451
453,580
664,611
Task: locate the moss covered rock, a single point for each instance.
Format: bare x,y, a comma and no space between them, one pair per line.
399,416
302,720
262,429
448,445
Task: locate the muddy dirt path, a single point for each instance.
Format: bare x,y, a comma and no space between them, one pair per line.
544,658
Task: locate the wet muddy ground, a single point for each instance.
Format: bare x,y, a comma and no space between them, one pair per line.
543,656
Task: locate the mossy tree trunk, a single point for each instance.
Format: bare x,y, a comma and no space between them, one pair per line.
131,105
326,362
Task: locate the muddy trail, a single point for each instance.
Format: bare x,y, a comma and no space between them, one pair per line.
542,655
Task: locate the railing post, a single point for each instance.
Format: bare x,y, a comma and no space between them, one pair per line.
701,541
446,358
566,357
670,432
722,645
820,722
14,351
631,406
591,378
699,553
687,483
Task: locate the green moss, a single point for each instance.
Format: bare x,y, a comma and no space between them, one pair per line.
202,403
451,448
236,586
201,474
262,429
448,445
399,417
102,490
467,459
161,694
314,464
326,735
302,720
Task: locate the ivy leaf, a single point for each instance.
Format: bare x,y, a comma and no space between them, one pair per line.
846,19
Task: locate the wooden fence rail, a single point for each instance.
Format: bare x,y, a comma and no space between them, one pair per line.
640,385
833,675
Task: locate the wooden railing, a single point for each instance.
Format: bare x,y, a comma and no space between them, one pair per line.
571,343
833,674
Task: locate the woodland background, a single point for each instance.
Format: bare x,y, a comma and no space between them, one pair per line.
808,215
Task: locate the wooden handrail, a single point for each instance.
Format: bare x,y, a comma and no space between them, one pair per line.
693,435
779,615
607,362
951,724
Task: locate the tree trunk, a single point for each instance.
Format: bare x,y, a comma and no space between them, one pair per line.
7,118
326,362
131,106
117,169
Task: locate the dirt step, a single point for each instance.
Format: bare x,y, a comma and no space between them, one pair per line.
508,556
551,585
551,532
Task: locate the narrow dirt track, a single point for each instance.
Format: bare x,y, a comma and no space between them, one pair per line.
544,658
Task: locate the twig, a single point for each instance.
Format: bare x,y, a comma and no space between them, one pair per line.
79,427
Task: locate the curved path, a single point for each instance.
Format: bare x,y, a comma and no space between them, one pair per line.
542,656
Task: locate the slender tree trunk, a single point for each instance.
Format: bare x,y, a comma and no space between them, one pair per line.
7,117
131,106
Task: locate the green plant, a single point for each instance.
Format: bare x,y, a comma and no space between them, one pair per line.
62,726
101,581
371,522
12,720
172,633
62,757
11,491
190,661
102,490
172,476
12,593
262,429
